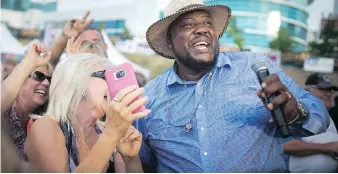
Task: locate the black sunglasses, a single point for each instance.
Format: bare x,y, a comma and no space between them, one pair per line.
99,74
39,76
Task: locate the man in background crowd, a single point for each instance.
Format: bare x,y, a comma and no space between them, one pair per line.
320,85
334,111
76,29
315,153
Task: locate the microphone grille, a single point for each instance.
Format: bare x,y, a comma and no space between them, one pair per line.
259,66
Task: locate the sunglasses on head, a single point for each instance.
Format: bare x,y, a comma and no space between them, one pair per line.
39,76
99,74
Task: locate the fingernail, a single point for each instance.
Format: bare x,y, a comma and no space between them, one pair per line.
263,95
270,106
149,111
263,85
49,53
122,140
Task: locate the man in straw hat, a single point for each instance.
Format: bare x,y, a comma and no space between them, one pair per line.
206,114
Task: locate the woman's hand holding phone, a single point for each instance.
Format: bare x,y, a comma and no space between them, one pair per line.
119,113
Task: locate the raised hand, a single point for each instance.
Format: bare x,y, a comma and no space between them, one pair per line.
73,47
130,143
119,113
34,55
76,26
273,86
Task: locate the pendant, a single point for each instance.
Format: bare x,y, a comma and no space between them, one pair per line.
188,126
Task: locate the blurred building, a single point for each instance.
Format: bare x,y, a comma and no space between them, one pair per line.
335,10
113,16
261,19
24,17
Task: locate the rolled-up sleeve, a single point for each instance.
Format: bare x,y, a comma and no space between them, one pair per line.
318,120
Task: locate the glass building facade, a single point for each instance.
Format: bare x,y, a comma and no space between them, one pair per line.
253,18
24,5
113,27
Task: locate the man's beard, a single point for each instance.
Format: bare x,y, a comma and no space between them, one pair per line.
199,66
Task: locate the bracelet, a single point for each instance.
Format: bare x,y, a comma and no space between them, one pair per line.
295,119
302,113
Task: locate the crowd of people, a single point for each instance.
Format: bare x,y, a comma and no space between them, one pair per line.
208,113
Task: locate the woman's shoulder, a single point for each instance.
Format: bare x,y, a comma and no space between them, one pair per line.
46,126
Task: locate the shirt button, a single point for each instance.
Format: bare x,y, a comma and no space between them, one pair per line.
185,85
202,128
205,153
200,106
210,74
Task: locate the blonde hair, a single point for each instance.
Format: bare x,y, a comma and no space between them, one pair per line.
50,69
95,48
69,84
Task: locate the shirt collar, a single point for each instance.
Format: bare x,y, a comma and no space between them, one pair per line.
222,60
173,77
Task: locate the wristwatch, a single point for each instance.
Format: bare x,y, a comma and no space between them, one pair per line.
303,112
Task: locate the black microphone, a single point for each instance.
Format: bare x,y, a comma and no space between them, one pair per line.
262,73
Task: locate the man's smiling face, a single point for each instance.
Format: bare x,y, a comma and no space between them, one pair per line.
194,40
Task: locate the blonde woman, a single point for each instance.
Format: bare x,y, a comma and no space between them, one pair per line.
23,92
68,137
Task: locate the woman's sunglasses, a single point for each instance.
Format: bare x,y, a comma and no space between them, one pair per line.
99,74
39,76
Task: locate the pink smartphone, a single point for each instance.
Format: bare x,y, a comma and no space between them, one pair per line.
121,77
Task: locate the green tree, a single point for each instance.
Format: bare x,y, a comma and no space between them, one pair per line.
101,26
282,42
126,35
329,45
236,33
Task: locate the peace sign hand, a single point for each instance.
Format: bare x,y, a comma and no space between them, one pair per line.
76,26
73,47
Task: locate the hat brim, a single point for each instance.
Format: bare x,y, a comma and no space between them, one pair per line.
327,86
157,33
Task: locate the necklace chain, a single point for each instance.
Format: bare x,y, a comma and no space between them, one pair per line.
188,125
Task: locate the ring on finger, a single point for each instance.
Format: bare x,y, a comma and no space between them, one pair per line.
116,99
289,95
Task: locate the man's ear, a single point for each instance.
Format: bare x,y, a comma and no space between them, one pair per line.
170,42
169,38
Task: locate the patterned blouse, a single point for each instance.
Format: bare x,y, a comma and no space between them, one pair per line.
16,131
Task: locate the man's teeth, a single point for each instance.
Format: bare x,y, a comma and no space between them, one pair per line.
200,43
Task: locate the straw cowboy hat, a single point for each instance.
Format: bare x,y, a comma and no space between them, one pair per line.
157,33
